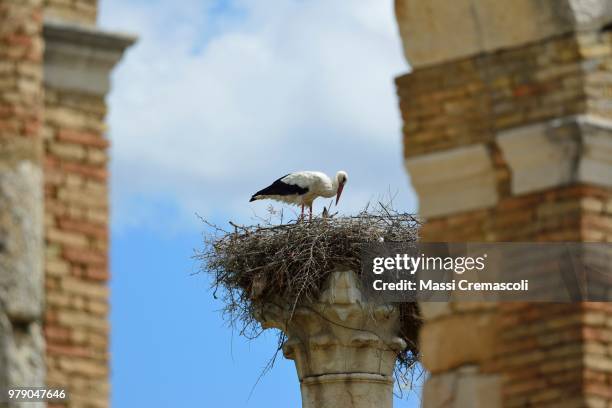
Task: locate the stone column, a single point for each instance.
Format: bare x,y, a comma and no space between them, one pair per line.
508,137
21,194
78,61
344,348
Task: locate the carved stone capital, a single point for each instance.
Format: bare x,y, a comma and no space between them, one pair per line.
344,348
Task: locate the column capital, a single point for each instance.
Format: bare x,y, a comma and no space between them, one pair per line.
344,347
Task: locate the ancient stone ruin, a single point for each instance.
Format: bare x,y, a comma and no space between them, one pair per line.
344,347
508,137
54,75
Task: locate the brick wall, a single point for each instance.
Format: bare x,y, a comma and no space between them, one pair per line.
469,101
21,72
76,232
74,11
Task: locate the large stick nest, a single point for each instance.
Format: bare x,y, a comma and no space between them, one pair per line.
250,265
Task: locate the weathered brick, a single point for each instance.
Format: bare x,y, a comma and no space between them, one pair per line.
83,366
57,334
82,319
82,138
85,170
57,267
85,288
84,256
55,235
68,151
88,198
467,339
96,273
97,156
91,229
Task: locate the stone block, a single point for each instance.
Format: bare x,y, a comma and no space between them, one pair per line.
436,31
83,138
433,310
65,117
592,204
86,320
440,390
67,151
456,340
22,355
478,391
83,197
57,267
80,287
597,363
81,366
79,58
575,149
69,238
462,388
453,181
97,156
21,245
596,154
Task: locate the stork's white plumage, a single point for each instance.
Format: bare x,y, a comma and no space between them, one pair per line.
303,187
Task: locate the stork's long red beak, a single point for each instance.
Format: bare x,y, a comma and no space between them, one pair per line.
340,188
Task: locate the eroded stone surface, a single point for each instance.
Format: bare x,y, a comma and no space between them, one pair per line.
456,180
435,31
343,347
22,356
478,391
558,152
456,340
81,58
21,273
21,276
462,388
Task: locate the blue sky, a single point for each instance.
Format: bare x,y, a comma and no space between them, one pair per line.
217,99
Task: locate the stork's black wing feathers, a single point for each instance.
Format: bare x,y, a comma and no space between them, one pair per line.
280,188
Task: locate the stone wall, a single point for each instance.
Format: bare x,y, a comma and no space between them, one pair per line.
21,279
508,137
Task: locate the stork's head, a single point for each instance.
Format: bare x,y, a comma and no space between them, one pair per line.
341,179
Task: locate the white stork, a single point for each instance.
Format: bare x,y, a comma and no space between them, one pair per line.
303,187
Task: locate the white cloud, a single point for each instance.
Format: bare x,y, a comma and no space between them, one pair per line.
218,99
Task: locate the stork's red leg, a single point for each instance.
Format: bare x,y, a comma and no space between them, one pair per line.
310,217
302,215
